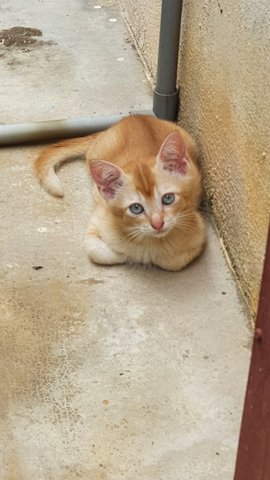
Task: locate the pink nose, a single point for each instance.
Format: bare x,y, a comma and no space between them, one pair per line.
157,223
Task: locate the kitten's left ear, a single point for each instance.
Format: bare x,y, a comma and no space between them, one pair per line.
107,177
172,154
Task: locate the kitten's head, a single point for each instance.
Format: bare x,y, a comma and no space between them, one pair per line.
150,196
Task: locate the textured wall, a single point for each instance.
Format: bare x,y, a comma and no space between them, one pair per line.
224,75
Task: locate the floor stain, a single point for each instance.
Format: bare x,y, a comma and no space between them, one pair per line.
21,37
91,281
37,326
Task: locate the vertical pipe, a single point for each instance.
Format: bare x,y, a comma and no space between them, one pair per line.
253,458
166,94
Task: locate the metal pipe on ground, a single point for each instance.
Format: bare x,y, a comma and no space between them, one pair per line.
166,95
21,133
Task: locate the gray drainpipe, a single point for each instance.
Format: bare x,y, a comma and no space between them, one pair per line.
166,94
165,102
21,133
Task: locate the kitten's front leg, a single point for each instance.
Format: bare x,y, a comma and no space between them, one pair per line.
99,251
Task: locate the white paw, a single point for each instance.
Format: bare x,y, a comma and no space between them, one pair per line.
101,253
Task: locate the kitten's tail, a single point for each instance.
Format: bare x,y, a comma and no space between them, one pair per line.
52,157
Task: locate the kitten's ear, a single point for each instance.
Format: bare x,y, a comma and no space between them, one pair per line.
107,177
172,154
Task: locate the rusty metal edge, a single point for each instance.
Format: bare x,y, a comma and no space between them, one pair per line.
253,456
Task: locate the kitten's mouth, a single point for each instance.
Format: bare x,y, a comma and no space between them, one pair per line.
160,233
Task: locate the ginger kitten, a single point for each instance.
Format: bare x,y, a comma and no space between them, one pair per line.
146,190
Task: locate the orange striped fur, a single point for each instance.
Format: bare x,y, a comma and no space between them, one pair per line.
146,189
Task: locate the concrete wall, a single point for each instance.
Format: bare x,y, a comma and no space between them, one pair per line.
224,75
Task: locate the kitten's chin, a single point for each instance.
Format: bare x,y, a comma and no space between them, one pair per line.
160,234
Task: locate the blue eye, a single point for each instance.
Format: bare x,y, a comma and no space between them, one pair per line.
168,198
136,208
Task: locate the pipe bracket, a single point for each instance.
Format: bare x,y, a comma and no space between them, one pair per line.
166,106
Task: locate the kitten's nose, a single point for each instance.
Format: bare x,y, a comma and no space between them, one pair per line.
157,222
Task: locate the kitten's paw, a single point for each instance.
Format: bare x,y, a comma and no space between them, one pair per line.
101,253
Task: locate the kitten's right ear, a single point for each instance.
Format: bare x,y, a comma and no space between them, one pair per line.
107,177
172,154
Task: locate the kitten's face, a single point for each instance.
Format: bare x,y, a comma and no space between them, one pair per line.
153,196
141,215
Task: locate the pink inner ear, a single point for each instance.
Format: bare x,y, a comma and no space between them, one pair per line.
107,177
172,154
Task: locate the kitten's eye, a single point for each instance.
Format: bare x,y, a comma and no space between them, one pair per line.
136,208
168,198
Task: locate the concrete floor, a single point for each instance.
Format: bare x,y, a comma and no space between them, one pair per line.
106,373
